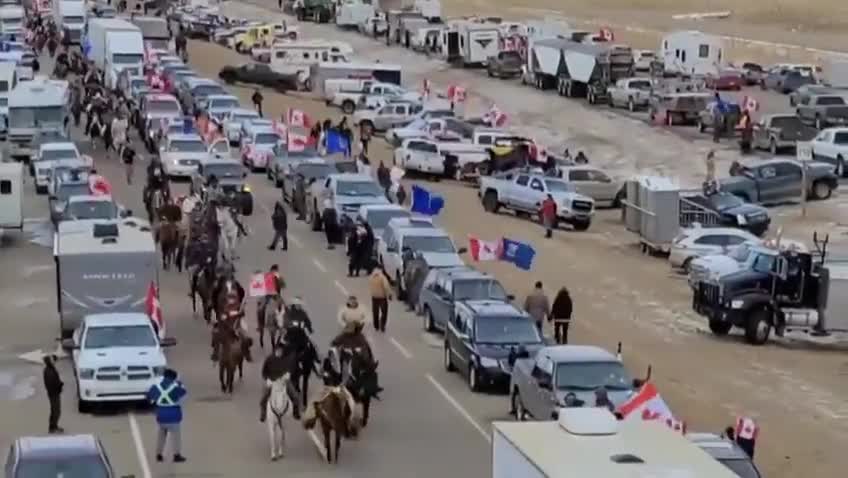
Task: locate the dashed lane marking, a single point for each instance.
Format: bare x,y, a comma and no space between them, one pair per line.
403,350
139,447
317,442
459,408
341,288
295,241
320,266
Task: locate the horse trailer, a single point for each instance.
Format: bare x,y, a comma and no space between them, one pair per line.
102,267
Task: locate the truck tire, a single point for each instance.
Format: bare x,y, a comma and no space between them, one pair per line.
428,320
701,126
473,379
821,190
720,327
773,146
581,225
247,205
758,326
631,106
518,406
840,167
490,202
448,361
818,122
348,107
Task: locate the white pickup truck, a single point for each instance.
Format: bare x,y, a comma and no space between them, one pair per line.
523,192
371,96
630,93
438,156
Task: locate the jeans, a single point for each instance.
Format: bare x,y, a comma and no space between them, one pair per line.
280,235
561,330
172,429
55,411
380,312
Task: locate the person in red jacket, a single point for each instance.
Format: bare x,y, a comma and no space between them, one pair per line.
548,213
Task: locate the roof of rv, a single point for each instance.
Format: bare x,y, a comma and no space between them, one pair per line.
39,92
77,237
113,24
592,441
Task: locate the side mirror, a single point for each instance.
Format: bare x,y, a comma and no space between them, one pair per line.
168,342
69,344
545,383
510,297
461,250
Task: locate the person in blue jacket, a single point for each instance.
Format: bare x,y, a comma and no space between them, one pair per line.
167,396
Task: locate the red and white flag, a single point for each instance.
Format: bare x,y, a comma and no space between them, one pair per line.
280,128
746,428
484,250
296,117
262,284
154,309
495,117
456,94
606,34
647,404
750,103
99,186
426,88
297,142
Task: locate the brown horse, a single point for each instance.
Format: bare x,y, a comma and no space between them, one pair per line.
334,413
203,288
230,354
168,235
269,318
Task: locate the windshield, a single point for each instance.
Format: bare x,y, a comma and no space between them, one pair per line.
70,467
558,186
417,124
36,117
831,100
763,263
158,43
478,289
505,330
726,201
380,219
786,122
224,103
73,19
54,154
267,138
742,468
163,106
12,21
640,85
206,90
358,188
740,254
243,116
511,56
119,336
592,375
187,146
67,191
92,210
439,244
223,170
127,58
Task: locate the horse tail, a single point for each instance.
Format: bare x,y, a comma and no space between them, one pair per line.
310,417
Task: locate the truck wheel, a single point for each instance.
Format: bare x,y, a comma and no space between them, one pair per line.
773,146
840,167
720,327
758,327
581,225
669,118
400,292
490,202
518,406
428,320
448,361
631,106
348,107
247,206
818,122
473,379
82,405
821,190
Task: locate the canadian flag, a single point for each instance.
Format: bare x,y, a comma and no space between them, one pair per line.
297,142
746,428
262,284
750,103
154,309
280,128
296,117
495,117
456,94
647,404
426,88
99,186
484,250
606,34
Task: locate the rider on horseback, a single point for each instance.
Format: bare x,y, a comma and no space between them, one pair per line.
157,180
274,367
296,316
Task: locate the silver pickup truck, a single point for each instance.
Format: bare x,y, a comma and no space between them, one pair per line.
524,191
630,93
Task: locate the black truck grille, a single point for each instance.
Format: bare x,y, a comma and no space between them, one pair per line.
709,293
581,206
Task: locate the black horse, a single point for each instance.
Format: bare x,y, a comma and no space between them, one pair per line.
362,380
301,351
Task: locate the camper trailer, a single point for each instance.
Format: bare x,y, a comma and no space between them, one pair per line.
470,43
102,267
691,53
11,196
297,57
319,73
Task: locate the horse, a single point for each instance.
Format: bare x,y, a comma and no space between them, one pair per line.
155,201
298,345
269,316
203,288
363,381
227,290
279,405
168,235
230,354
334,413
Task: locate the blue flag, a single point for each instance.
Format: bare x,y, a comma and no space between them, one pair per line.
425,202
519,253
336,142
86,48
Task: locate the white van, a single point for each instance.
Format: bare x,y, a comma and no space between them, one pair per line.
298,56
11,195
8,81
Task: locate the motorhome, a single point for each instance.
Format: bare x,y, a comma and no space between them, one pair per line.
8,81
353,12
154,31
321,72
114,45
102,267
470,43
691,53
11,196
297,57
36,107
69,16
12,19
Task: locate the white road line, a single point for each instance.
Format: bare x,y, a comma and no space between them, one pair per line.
318,444
403,350
264,208
462,411
320,266
295,241
139,447
342,288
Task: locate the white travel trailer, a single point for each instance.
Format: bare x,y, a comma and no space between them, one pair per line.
691,53
380,72
8,81
353,12
11,196
297,57
470,43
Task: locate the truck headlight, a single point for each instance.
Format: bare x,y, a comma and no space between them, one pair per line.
246,188
86,373
487,362
737,304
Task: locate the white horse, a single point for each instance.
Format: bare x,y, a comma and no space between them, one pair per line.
279,405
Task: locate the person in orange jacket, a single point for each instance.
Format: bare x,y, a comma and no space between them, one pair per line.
548,214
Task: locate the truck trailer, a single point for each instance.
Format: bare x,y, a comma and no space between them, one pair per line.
69,16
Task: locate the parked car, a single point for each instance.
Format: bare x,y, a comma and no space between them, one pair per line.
347,193
632,93
506,64
284,166
434,244
780,132
747,256
479,338
231,176
233,122
642,60
378,216
443,288
157,106
259,74
752,73
181,154
678,108
726,452
785,80
772,181
390,116
219,106
90,207
725,79
257,145
59,456
595,183
808,90
731,211
193,93
701,241
831,146
823,110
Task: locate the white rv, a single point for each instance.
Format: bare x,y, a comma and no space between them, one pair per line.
691,53
298,56
35,107
470,43
115,45
353,12
12,19
429,9
8,81
319,73
69,16
11,196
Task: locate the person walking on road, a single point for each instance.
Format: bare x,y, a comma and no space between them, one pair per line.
257,99
352,316
167,395
381,294
279,220
561,315
54,385
548,214
537,305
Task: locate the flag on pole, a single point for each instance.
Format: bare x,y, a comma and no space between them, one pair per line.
296,117
483,250
262,284
495,117
456,94
518,253
154,309
296,142
336,142
99,186
647,404
425,202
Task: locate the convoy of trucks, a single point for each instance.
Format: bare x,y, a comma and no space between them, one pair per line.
115,45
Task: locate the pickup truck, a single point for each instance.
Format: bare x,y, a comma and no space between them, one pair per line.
523,192
831,146
632,93
346,192
780,132
506,64
389,116
372,96
439,156
745,257
773,181
539,384
823,110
